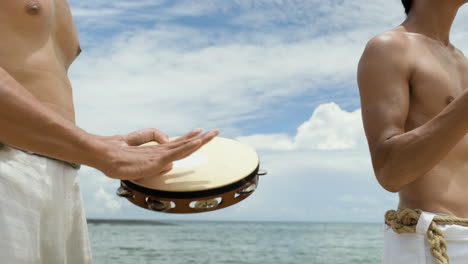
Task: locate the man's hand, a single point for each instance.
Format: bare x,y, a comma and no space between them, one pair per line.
130,161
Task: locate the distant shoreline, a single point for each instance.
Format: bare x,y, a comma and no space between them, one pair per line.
178,222
126,222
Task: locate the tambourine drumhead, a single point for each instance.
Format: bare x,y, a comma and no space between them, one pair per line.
221,162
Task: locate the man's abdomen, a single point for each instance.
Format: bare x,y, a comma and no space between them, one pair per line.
444,189
52,88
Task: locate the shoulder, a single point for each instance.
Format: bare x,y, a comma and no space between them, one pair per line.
387,59
460,52
390,43
391,51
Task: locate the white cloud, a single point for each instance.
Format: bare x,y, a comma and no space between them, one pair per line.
269,141
99,196
83,13
218,82
219,77
107,199
329,128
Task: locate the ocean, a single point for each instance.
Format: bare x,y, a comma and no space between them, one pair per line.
183,242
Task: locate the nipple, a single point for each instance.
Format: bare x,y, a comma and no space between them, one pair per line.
33,7
450,99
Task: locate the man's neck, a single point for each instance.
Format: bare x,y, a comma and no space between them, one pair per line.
433,18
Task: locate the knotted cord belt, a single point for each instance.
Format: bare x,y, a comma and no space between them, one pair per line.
405,221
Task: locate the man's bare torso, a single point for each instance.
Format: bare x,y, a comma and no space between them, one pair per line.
39,44
439,75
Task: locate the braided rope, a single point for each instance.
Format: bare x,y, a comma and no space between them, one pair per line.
405,221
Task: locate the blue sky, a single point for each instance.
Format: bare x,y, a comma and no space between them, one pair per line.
277,74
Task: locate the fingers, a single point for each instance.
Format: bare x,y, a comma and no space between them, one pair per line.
189,135
146,135
205,138
204,141
183,149
209,136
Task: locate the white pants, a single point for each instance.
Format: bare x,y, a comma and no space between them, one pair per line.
42,220
414,248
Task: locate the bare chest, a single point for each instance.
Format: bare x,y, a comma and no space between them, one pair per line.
439,77
40,23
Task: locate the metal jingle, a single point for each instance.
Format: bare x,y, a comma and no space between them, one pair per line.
206,204
249,189
124,192
262,172
158,205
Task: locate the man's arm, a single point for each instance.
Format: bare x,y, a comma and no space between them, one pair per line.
27,124
400,157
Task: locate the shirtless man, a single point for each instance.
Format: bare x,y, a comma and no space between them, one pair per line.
41,218
413,85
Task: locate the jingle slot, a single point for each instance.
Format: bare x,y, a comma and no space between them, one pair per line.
158,205
262,172
124,192
247,190
203,205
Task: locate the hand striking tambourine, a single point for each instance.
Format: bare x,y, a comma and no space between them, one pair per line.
221,173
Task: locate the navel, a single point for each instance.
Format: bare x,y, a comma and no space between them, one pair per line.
450,99
33,7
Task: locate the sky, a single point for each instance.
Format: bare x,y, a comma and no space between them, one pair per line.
279,75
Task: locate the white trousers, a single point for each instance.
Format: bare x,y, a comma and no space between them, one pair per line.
414,248
42,220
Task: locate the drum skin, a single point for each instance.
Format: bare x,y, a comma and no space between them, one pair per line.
220,174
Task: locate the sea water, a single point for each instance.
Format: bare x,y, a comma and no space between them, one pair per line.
181,242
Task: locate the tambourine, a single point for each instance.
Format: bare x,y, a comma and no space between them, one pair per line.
220,174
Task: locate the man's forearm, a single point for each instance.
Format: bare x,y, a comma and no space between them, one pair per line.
27,124
406,157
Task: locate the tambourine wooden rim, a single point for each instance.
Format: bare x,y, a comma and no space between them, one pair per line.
218,192
194,194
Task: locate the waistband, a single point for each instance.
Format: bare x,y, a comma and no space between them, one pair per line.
71,164
405,220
